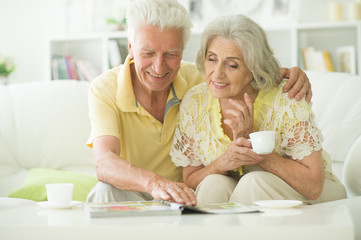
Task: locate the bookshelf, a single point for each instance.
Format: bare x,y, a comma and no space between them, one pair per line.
331,37
91,47
286,41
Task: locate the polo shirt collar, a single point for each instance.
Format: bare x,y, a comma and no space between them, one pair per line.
180,84
125,98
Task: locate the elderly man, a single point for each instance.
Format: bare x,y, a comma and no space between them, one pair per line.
134,107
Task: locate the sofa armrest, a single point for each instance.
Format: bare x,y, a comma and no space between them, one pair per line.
351,169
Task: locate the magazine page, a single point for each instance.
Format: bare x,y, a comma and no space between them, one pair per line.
221,208
144,208
130,208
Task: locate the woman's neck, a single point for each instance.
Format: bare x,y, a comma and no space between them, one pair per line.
252,93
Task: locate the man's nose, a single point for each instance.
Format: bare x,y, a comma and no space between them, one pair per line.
159,64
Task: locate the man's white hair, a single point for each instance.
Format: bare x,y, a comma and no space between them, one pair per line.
160,13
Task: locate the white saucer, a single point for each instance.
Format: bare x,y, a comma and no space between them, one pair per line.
46,204
278,203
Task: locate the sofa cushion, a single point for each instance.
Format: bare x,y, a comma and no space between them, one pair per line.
34,185
45,124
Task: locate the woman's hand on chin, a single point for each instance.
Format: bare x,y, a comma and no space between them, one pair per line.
241,121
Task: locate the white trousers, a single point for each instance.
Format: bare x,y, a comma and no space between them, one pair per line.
104,192
259,185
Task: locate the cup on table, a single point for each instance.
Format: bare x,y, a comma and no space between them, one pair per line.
59,194
263,142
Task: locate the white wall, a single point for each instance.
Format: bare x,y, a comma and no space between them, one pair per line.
25,25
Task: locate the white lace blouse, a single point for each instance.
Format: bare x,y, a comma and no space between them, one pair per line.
199,138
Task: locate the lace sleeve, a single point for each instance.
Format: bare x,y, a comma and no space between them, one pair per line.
183,152
297,134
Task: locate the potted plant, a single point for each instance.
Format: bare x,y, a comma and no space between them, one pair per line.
6,68
118,25
117,21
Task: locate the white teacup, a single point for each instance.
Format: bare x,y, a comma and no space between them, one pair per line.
263,142
59,194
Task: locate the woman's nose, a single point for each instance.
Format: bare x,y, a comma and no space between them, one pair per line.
219,71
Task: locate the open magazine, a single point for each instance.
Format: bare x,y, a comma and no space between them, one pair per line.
144,208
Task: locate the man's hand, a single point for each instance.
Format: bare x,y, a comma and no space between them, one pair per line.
164,189
298,84
131,178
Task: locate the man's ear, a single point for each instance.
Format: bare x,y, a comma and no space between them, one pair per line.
130,51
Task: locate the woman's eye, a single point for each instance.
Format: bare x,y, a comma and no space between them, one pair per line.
233,64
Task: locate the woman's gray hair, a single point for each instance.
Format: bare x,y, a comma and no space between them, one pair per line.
251,40
160,13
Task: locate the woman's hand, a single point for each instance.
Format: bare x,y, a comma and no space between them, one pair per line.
239,153
298,84
241,122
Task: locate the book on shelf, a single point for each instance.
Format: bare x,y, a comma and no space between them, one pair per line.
54,69
115,57
71,68
59,68
346,59
117,52
317,60
86,70
152,208
68,67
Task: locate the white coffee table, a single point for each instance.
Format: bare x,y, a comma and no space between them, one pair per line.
304,222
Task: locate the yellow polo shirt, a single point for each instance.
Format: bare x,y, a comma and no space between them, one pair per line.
144,141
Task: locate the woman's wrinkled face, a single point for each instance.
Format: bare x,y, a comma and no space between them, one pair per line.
227,74
157,56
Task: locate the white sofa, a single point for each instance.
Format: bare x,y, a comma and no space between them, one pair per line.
43,125
46,125
337,107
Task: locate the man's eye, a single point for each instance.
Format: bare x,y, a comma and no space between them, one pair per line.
172,55
147,54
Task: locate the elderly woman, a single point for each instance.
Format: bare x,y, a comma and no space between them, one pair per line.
241,96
